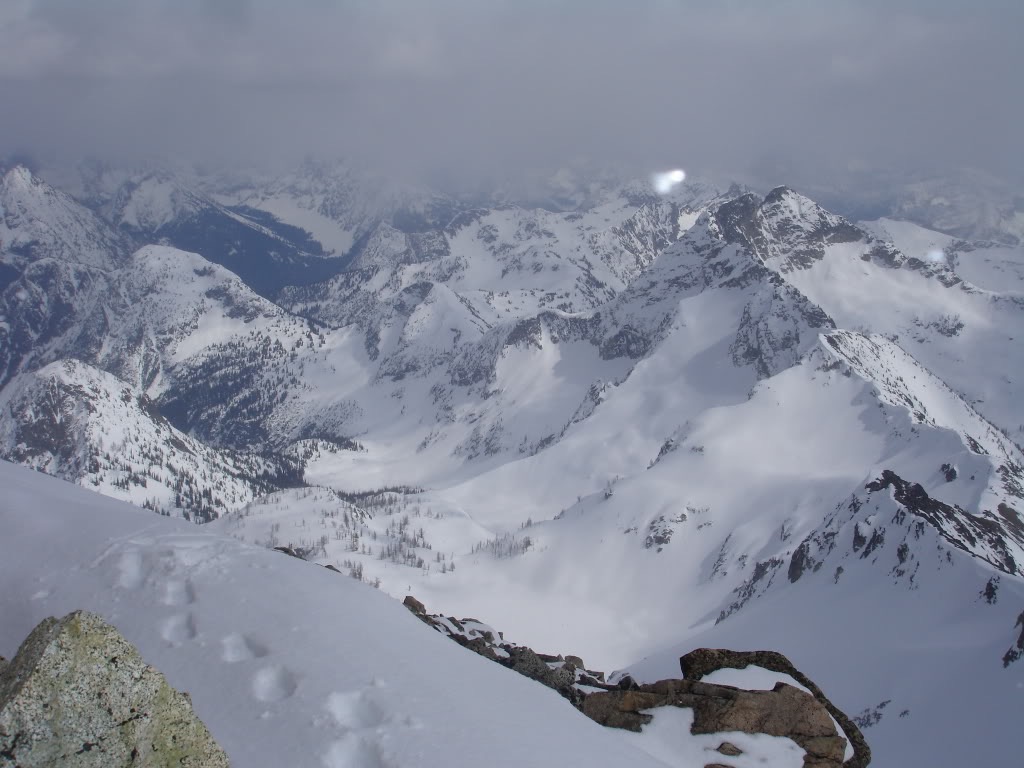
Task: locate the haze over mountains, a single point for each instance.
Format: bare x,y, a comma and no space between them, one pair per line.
624,328
604,420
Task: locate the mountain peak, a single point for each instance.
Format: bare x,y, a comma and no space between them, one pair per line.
778,193
18,174
39,221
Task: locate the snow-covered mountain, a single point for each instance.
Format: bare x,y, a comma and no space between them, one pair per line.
971,204
965,203
57,261
172,207
73,421
630,425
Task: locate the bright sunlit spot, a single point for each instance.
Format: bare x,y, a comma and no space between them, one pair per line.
665,181
936,255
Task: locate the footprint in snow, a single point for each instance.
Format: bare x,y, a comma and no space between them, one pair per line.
364,725
238,647
354,750
178,592
178,629
130,573
273,683
354,710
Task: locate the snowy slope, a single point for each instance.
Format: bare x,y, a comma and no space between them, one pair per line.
713,533
965,335
707,314
988,265
709,525
722,482
919,664
753,528
286,663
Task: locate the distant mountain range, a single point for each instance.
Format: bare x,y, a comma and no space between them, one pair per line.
613,422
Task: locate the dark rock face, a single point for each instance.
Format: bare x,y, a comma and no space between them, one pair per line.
1015,652
958,526
79,695
627,342
703,661
785,711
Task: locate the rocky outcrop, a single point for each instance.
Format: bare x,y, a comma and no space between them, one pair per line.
1014,652
565,674
703,661
79,695
784,711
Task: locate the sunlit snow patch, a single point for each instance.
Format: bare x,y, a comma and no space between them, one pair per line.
665,181
936,255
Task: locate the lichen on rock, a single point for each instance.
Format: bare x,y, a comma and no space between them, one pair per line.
77,694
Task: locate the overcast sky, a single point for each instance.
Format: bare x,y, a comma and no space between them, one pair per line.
484,86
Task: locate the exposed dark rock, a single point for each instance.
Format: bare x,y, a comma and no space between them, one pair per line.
801,561
729,749
556,672
959,527
1014,653
762,577
627,342
526,662
291,552
877,540
627,683
991,591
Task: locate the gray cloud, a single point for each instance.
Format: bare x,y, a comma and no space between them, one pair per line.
477,88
